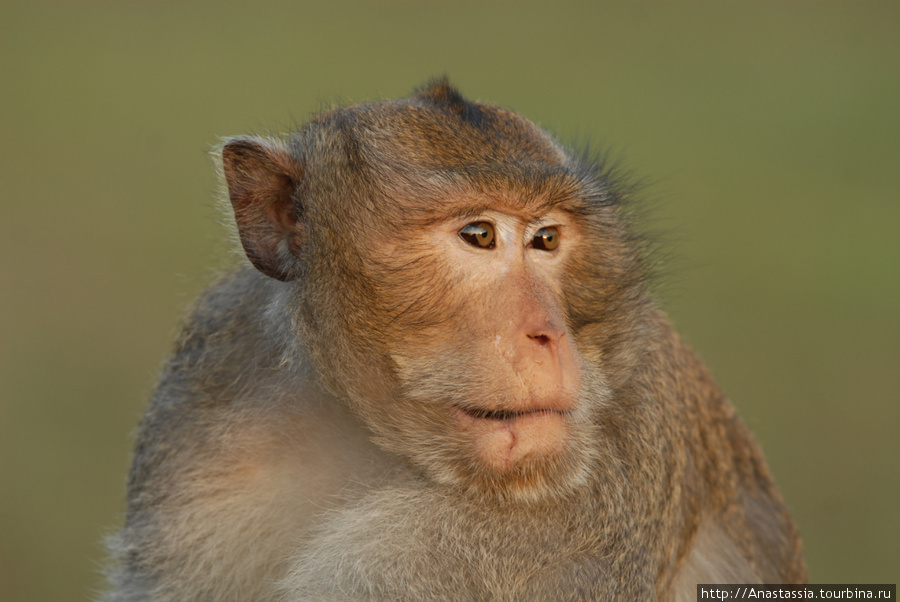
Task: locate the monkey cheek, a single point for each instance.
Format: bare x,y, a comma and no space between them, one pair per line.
502,445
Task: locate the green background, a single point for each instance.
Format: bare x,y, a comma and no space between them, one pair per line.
768,133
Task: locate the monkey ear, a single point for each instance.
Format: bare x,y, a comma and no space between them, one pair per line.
262,180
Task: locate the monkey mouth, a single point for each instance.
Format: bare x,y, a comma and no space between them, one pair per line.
503,438
506,415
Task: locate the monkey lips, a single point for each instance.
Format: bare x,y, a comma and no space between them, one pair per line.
504,439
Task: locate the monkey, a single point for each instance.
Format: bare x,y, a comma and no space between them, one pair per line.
440,375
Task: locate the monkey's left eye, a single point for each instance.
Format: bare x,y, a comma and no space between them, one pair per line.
478,234
546,239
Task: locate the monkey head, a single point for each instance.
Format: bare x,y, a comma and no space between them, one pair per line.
456,276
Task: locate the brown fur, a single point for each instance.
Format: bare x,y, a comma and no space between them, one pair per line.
381,411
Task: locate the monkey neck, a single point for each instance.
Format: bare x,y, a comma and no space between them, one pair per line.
586,536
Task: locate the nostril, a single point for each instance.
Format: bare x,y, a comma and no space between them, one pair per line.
540,339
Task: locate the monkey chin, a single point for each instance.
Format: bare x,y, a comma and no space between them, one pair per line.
505,440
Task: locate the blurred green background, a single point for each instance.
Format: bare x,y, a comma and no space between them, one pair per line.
769,133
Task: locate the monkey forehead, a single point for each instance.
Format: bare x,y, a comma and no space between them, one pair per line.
437,154
431,169
445,195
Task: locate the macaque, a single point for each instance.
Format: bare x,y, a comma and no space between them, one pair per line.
441,376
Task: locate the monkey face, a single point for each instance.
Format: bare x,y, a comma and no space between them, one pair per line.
491,390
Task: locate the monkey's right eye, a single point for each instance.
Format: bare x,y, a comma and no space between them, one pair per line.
478,234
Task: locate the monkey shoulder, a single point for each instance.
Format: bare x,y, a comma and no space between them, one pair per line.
238,390
238,329
238,429
743,532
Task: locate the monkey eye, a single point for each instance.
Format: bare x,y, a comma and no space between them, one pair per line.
546,239
478,234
